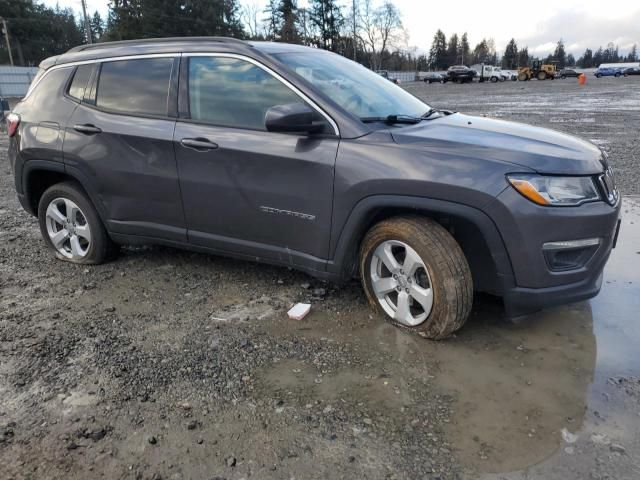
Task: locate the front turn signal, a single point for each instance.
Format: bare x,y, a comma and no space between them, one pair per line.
527,189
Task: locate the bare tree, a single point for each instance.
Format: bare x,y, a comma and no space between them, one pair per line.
367,32
380,29
389,26
250,17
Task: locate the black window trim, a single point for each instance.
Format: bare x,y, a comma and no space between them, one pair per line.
183,100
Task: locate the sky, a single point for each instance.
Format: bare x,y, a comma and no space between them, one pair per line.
538,24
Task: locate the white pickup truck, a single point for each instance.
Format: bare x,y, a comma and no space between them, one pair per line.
489,73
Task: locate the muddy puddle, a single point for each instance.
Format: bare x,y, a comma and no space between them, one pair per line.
556,395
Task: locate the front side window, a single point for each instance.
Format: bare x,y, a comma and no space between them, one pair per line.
135,86
356,88
234,93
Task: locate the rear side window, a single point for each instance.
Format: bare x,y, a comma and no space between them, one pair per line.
79,82
135,86
234,93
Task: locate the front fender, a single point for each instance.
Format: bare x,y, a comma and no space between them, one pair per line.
366,211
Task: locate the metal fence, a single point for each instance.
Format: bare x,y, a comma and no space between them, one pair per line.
15,81
403,76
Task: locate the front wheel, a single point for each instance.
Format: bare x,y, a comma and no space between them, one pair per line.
415,273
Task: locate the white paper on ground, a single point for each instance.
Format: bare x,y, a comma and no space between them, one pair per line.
299,311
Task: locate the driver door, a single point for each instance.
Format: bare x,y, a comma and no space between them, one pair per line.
246,190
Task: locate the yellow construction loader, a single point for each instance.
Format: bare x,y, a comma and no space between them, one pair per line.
538,70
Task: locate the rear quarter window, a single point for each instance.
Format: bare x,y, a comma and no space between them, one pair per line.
135,86
79,81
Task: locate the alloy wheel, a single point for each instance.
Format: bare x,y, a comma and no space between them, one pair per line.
68,228
401,282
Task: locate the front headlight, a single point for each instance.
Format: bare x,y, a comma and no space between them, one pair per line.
560,191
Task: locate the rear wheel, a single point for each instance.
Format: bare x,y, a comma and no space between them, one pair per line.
415,273
542,76
71,227
617,75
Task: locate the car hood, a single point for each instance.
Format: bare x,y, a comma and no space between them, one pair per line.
538,149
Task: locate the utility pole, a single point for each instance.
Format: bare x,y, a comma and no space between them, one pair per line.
5,30
87,26
355,48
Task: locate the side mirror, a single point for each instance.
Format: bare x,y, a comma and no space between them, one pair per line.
293,117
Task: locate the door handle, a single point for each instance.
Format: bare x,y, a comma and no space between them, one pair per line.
200,144
87,128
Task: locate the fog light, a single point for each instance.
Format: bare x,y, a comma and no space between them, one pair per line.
569,254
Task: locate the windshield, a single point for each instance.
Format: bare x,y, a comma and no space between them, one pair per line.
357,89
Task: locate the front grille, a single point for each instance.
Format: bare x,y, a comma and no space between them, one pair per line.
608,185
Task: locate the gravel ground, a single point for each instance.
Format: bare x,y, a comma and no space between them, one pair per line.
169,364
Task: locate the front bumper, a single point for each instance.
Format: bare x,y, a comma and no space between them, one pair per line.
526,227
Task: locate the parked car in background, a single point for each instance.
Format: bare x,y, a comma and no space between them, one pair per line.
567,72
510,75
607,72
631,71
385,74
435,77
461,74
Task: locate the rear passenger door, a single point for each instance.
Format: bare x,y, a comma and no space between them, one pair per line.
119,140
250,191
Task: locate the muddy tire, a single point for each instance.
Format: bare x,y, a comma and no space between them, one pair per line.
442,269
71,227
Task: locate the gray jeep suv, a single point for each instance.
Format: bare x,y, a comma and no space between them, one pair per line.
299,157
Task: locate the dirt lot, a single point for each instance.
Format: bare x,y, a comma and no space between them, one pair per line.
168,364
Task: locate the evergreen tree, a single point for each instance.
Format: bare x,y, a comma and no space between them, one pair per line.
571,60
273,19
438,52
97,26
452,50
598,57
510,57
560,55
326,16
288,22
633,54
586,60
37,31
523,57
464,51
167,18
481,53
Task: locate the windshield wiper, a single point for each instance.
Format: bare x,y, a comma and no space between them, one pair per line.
393,119
430,112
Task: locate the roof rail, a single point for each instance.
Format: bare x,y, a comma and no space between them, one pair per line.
143,41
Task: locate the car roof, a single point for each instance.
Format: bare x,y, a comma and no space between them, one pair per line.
96,51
